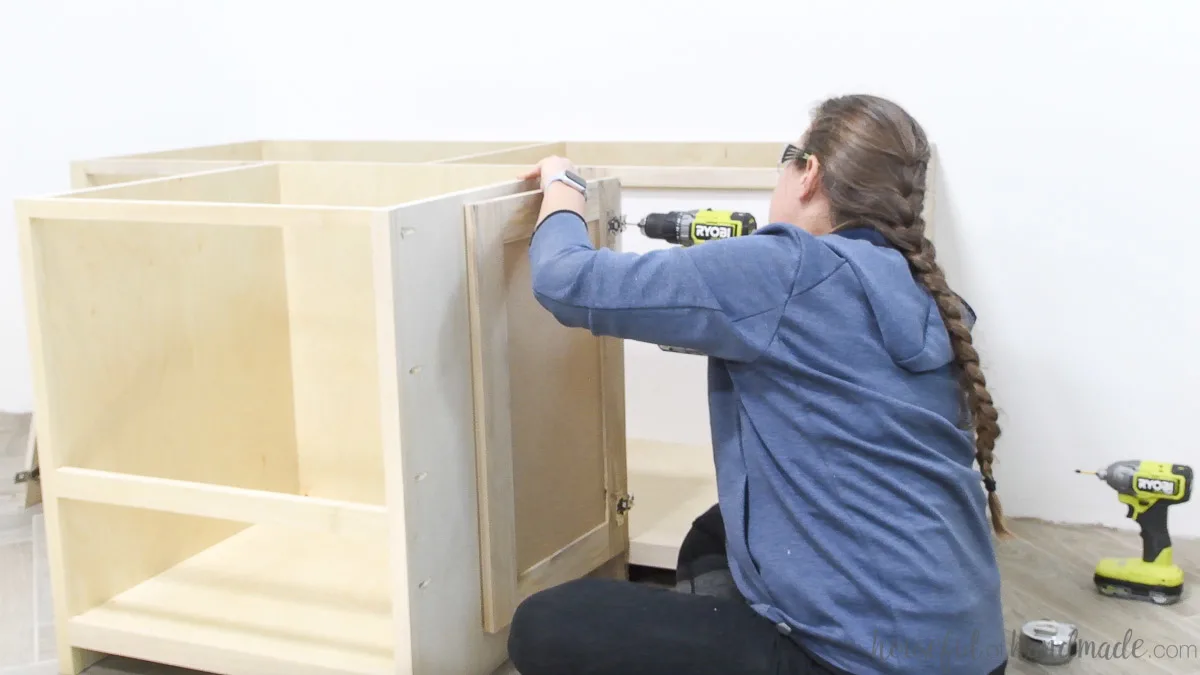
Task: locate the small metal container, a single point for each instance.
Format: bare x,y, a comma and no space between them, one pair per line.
1049,642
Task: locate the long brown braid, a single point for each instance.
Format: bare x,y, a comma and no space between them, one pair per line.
873,157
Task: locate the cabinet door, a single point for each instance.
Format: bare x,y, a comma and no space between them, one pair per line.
549,414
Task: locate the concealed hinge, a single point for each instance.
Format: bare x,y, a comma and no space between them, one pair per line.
27,476
616,224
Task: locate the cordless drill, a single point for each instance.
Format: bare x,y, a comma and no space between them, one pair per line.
688,228
1148,489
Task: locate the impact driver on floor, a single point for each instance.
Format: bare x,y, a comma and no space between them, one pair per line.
1148,489
688,228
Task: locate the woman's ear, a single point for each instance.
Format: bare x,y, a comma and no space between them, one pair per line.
810,180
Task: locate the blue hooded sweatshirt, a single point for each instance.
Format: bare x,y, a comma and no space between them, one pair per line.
855,518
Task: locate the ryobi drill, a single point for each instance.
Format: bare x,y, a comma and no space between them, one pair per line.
1148,489
688,228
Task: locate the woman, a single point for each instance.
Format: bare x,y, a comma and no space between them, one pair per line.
848,410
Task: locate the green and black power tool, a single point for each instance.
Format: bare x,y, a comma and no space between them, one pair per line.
688,228
1148,489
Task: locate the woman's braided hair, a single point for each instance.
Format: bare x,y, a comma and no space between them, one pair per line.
874,158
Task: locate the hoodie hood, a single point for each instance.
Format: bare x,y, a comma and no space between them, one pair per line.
909,321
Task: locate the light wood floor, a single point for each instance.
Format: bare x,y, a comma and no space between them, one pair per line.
1047,574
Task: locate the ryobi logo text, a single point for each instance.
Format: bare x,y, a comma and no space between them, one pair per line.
713,231
1158,486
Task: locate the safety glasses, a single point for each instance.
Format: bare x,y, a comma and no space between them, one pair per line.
790,153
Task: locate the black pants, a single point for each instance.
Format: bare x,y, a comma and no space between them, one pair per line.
611,627
703,627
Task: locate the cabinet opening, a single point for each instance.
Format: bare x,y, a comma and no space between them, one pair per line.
218,354
204,593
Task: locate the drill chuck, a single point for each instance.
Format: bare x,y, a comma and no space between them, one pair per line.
670,227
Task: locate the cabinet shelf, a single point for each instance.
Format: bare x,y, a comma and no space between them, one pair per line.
266,600
220,501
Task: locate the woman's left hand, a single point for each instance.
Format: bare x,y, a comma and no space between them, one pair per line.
548,168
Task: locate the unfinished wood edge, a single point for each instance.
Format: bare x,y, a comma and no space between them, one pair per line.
203,168
83,172
526,155
520,150
217,213
612,373
493,430
80,177
689,177
221,502
385,226
72,660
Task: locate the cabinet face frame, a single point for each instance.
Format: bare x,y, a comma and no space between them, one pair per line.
586,408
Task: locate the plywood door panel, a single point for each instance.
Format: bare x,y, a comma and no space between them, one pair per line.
549,403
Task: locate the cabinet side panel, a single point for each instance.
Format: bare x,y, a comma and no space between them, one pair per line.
437,473
335,362
165,351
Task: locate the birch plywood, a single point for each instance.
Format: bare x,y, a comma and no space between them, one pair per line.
552,441
262,457
140,166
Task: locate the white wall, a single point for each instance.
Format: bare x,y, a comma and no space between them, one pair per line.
81,79
1067,135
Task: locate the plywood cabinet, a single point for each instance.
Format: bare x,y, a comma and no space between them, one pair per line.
305,418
